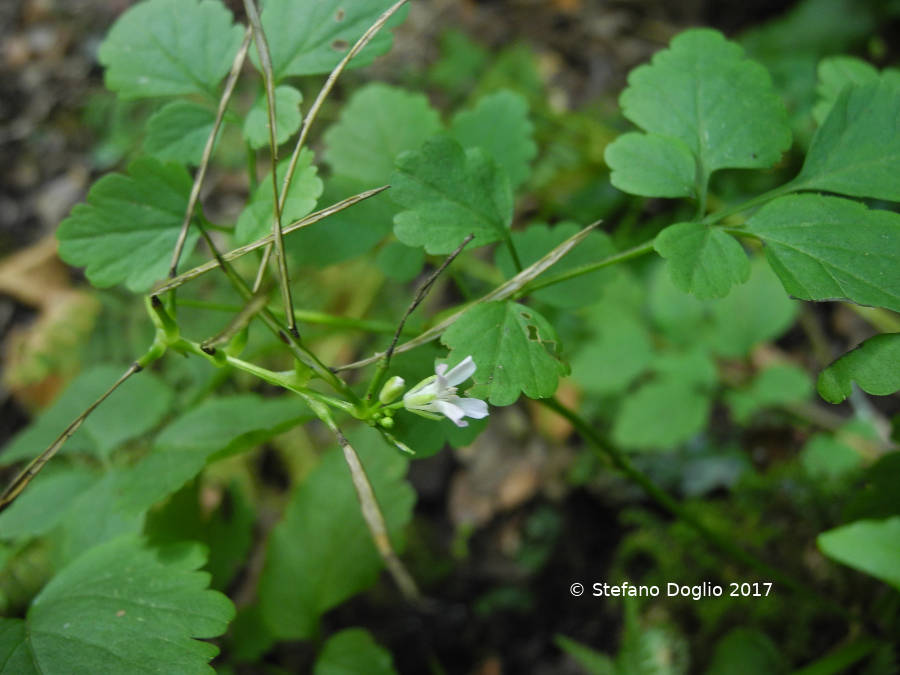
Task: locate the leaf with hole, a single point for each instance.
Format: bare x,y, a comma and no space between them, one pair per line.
310,38
127,230
450,193
829,248
514,348
169,48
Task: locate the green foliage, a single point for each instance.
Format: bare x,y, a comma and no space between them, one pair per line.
745,651
874,366
321,553
652,165
287,118
702,260
815,243
120,608
515,348
774,386
867,545
718,103
854,152
117,420
450,193
255,220
310,38
178,131
378,123
838,72
499,125
128,228
661,414
826,457
170,47
353,650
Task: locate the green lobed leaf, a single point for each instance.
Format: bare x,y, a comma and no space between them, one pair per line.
321,552
702,260
120,608
310,38
45,502
287,118
828,248
592,661
651,165
826,457
515,349
617,353
133,409
255,220
746,651
450,193
694,366
377,124
856,151
461,63
838,72
866,545
703,91
661,415
499,125
353,650
534,242
127,230
345,234
170,47
399,262
178,132
775,386
874,366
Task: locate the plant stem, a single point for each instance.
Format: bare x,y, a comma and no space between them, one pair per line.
719,541
719,216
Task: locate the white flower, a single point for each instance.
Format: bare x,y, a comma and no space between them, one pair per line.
436,395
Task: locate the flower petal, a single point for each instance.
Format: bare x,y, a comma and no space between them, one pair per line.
472,407
453,412
461,372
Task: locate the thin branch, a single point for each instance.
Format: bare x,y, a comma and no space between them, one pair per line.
306,221
314,111
265,61
207,152
417,300
240,321
502,292
15,488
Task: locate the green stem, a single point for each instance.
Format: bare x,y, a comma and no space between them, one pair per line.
511,247
719,216
717,540
630,254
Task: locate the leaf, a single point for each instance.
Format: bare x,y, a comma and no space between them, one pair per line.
533,243
702,260
651,165
592,661
400,263
828,248
704,92
515,349
255,220
119,608
499,125
746,651
856,151
345,234
619,350
44,503
835,73
287,118
310,38
874,366
869,546
377,124
134,408
775,386
353,650
661,415
449,193
178,132
321,552
127,230
826,457
170,47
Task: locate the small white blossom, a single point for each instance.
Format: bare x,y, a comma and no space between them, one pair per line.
436,395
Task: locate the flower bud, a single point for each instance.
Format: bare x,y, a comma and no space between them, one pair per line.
391,390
